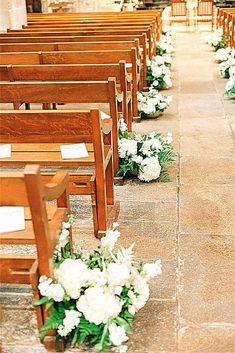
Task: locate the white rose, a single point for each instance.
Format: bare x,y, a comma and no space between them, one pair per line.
55,292
98,306
72,274
44,284
117,334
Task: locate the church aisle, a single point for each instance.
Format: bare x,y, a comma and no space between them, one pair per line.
189,223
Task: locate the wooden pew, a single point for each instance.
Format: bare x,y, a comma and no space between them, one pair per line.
50,129
85,33
82,72
149,50
85,46
102,92
27,189
91,57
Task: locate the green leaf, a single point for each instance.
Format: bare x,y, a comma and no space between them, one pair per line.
41,301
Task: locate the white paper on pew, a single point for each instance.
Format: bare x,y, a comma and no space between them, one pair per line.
5,151
141,49
77,150
103,115
128,65
11,219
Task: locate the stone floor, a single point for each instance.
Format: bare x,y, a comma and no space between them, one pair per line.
188,223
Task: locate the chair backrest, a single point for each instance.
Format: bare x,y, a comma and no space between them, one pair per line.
178,8
205,8
27,189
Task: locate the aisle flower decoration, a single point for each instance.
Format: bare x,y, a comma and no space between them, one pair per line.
151,104
94,295
146,156
160,60
227,68
163,48
159,76
230,87
216,39
224,54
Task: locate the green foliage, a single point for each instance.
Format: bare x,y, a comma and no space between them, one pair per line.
160,51
222,43
53,321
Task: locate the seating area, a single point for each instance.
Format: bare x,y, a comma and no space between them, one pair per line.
82,97
226,21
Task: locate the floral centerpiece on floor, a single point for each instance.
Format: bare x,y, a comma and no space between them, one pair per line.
230,87
216,39
151,104
159,76
146,156
224,54
94,295
227,68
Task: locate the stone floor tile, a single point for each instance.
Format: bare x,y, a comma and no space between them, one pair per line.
153,240
206,272
197,87
154,328
216,125
207,209
229,106
164,286
148,210
135,190
203,171
201,146
206,340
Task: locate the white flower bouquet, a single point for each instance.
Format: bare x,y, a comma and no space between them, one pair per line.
230,87
166,38
94,296
164,48
160,60
216,39
151,104
146,156
159,76
227,68
224,54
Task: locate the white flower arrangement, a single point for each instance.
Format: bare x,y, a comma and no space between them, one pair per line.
230,87
224,54
152,103
93,299
216,39
160,60
163,48
149,158
159,76
227,68
166,38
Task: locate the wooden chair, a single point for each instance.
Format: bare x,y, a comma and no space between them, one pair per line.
179,12
205,12
50,129
27,189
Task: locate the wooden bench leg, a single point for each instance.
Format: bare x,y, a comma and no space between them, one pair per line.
109,183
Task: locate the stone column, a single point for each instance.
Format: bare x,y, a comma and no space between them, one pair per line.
13,14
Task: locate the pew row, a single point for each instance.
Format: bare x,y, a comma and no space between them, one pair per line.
91,175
